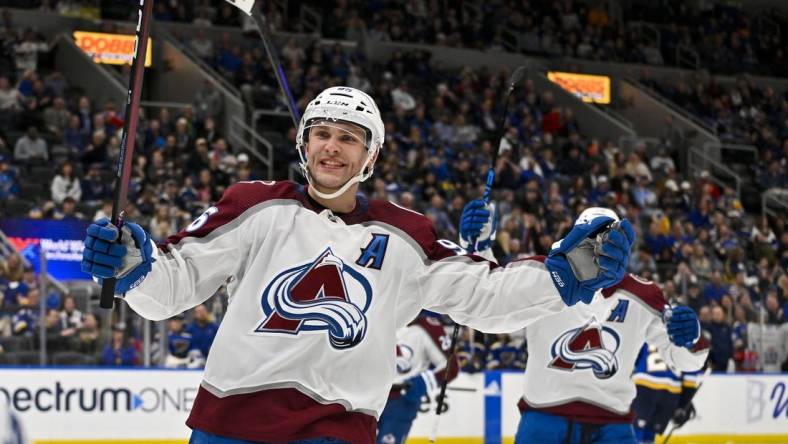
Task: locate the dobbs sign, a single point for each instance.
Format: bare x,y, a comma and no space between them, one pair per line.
113,49
592,89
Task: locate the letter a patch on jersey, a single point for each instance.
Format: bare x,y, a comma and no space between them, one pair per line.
591,346
620,312
372,255
324,296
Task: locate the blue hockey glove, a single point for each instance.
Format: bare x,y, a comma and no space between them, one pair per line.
593,255
478,225
683,325
128,261
416,390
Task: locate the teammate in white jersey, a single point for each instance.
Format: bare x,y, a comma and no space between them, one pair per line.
422,365
10,428
577,378
319,280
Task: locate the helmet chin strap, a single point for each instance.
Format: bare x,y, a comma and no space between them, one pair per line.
355,179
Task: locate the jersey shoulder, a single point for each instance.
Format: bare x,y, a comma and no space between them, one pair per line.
432,327
414,225
237,199
646,291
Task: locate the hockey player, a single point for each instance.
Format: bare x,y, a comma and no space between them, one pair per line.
422,354
319,280
662,395
577,379
11,430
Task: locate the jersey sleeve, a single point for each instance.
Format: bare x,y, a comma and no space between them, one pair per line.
677,357
481,294
437,350
210,252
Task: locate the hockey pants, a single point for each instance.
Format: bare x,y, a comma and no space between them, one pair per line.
200,437
544,428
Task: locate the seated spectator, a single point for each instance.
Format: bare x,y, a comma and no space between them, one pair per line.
56,117
56,339
95,189
68,210
13,268
9,185
504,354
66,184
10,98
719,334
714,290
25,320
181,350
202,45
88,338
70,316
31,148
119,352
202,329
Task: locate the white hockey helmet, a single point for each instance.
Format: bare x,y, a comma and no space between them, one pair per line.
346,105
591,213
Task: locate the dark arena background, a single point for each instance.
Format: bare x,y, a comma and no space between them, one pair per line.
672,113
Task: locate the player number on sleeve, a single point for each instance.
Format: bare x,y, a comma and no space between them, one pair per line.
200,221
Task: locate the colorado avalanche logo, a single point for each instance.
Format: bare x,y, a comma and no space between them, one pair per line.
591,346
323,295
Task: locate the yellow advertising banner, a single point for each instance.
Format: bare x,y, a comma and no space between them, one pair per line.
113,49
589,88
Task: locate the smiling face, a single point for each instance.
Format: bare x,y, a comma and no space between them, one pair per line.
335,153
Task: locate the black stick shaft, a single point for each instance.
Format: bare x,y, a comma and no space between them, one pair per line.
129,134
516,77
442,395
276,65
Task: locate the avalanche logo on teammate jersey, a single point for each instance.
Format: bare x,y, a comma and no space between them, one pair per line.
322,296
591,346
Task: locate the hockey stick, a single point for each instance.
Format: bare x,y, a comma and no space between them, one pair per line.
129,134
516,77
247,6
700,384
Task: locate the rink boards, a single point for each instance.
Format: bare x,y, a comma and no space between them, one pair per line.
83,405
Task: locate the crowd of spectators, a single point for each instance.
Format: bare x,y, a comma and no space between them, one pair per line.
725,37
695,239
741,113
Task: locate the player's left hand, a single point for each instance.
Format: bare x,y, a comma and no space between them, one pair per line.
417,388
683,325
478,225
593,255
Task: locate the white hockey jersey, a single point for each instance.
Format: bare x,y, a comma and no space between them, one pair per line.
423,349
306,346
580,361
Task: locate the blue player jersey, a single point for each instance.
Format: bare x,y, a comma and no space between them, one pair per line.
653,372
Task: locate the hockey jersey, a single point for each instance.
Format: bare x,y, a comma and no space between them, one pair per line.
581,359
653,372
306,345
423,349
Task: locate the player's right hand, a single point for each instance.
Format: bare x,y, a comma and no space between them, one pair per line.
683,414
604,258
128,260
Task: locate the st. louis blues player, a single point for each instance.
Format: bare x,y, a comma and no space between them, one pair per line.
422,365
662,394
577,379
319,280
